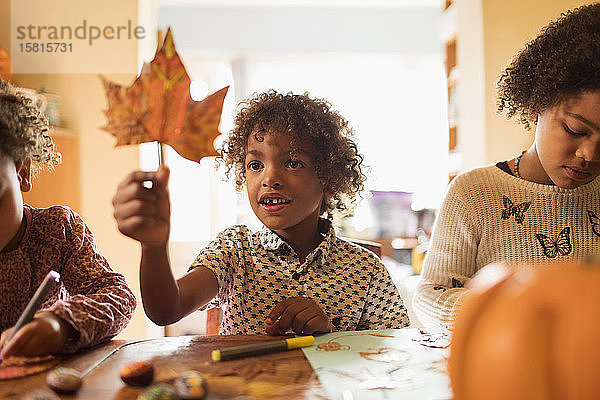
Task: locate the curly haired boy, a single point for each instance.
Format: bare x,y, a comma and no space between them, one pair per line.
295,156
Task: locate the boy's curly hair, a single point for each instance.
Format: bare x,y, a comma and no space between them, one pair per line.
562,61
309,122
24,131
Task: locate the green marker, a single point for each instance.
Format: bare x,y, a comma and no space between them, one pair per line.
273,346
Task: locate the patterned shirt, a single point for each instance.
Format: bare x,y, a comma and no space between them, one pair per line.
91,297
256,271
491,216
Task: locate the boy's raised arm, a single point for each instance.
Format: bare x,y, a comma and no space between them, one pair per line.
166,300
143,214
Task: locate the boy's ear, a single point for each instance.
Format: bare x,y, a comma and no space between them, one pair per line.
24,174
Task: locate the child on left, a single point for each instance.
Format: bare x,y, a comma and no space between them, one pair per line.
92,303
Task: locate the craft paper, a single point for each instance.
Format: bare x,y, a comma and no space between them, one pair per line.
158,107
382,364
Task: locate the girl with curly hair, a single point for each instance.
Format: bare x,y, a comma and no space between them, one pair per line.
92,303
543,205
295,156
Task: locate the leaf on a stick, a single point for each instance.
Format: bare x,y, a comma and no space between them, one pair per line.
158,107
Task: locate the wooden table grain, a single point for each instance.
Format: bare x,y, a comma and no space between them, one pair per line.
285,375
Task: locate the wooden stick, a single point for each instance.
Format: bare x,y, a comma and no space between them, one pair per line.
161,150
162,156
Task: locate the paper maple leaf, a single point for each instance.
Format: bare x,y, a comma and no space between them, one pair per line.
158,107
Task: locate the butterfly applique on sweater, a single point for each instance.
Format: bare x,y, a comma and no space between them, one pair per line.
561,246
518,210
595,222
455,284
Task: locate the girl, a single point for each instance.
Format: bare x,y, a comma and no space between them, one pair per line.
92,303
298,163
544,205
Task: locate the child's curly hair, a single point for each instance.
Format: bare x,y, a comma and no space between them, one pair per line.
309,122
562,61
24,131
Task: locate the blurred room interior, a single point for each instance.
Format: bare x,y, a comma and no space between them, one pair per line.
415,78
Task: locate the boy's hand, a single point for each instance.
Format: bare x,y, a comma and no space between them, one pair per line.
144,213
45,334
298,314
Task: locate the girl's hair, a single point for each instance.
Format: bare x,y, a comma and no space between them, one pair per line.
24,132
310,123
562,61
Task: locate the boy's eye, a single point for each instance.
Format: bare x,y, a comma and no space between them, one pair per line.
295,164
254,165
572,132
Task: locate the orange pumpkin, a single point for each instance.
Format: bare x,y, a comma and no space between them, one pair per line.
528,334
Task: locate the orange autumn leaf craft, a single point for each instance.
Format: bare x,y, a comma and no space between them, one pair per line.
158,107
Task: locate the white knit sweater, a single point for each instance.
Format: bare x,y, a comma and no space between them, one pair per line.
491,216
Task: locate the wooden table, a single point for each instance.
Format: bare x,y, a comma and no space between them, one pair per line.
285,375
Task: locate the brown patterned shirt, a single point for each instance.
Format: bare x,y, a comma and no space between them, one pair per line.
255,271
91,297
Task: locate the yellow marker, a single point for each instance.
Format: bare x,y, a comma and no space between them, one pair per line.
262,348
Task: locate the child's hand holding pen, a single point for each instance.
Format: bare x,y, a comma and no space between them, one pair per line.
143,213
298,314
45,334
37,333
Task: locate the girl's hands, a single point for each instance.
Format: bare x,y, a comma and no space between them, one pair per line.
46,334
298,314
144,213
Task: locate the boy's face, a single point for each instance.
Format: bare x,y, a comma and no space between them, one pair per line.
284,190
568,141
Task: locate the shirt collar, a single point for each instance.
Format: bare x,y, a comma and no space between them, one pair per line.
272,242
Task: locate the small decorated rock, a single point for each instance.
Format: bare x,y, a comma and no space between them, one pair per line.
190,385
137,374
160,391
40,395
64,380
